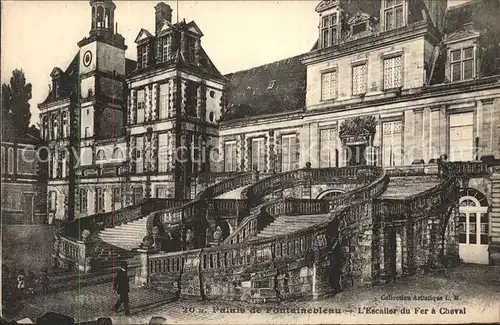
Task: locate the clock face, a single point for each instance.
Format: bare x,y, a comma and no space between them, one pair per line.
87,58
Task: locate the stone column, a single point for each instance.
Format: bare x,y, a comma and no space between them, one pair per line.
142,277
154,102
305,145
443,139
418,135
365,246
241,153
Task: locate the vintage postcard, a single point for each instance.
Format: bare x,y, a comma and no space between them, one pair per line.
250,162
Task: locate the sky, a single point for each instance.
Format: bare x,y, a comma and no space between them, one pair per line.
40,35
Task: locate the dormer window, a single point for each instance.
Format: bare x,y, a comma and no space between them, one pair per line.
191,49
55,88
143,56
462,64
329,30
393,14
167,46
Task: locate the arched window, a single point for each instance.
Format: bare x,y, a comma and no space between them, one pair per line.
54,126
64,124
100,16
473,226
101,155
45,125
117,153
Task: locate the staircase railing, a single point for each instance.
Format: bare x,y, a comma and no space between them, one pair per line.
191,210
74,228
265,213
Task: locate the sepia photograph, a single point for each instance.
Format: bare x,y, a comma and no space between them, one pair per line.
250,162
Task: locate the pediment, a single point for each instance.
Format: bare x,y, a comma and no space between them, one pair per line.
165,27
56,72
359,17
143,35
461,35
193,28
326,4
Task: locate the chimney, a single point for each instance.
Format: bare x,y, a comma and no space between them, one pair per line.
162,12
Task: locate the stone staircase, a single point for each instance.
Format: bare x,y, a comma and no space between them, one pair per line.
107,259
287,224
401,187
127,236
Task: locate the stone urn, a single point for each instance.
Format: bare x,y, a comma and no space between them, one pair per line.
147,241
85,235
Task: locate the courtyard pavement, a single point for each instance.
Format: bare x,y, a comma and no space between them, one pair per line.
473,290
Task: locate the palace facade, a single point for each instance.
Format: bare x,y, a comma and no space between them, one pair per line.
390,83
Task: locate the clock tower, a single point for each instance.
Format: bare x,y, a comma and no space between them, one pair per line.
102,72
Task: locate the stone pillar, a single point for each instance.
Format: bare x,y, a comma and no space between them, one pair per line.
410,249
487,122
426,135
241,153
305,145
365,247
142,277
85,255
451,253
435,133
418,135
404,250
435,256
443,139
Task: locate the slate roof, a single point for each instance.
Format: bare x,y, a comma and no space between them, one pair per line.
69,78
248,92
483,14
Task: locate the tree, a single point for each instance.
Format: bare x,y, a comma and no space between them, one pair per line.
16,113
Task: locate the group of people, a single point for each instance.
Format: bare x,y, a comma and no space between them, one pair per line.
19,284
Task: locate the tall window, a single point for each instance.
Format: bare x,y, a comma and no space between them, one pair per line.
329,85
289,152
54,127
258,154
137,194
191,98
100,200
65,126
461,137
141,105
329,30
230,156
392,72
45,131
328,148
393,14
462,64
191,49
139,150
359,79
163,100
163,153
392,133
167,46
116,195
145,56
83,200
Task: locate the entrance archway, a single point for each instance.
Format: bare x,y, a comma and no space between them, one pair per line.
329,194
473,227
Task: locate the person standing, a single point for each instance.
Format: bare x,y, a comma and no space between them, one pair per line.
121,286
